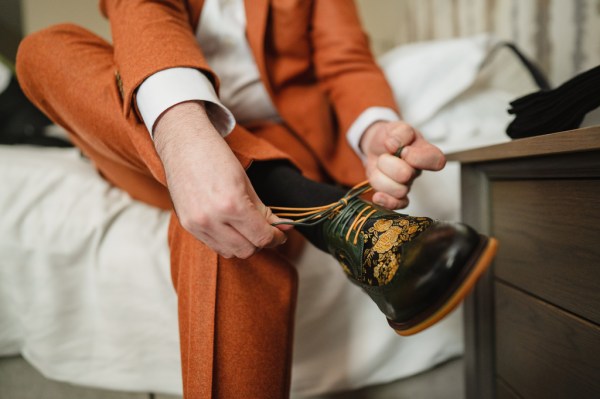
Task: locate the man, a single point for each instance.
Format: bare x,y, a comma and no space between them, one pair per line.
313,82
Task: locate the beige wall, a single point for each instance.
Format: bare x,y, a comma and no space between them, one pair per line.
38,14
562,35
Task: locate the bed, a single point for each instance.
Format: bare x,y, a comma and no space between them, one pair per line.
85,290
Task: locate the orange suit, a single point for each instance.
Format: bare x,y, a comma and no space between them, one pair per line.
235,316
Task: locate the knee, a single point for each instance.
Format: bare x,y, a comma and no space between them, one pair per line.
39,51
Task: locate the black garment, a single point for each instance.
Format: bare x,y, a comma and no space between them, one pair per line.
278,183
21,122
556,110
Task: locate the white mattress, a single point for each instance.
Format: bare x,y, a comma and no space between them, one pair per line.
86,297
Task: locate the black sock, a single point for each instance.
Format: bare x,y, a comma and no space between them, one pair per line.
278,183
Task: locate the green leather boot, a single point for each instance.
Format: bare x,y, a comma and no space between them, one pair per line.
417,270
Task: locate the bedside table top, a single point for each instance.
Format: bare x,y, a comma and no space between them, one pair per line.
579,140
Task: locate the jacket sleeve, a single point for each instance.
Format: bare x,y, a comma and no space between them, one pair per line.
150,36
343,63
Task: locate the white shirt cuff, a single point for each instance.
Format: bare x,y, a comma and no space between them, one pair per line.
362,123
172,86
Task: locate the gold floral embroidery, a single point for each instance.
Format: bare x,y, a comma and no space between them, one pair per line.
382,242
387,240
384,272
382,225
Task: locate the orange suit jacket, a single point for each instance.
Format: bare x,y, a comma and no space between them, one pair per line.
314,60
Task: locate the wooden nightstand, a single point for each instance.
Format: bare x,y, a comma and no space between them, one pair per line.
533,321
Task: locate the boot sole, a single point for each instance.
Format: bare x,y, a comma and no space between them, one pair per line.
479,264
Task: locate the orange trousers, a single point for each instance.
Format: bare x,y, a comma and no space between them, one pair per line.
235,316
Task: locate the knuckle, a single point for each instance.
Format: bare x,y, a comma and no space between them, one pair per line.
398,125
200,221
394,204
195,223
223,253
246,253
403,174
227,206
404,129
374,180
382,160
194,219
186,224
411,134
401,192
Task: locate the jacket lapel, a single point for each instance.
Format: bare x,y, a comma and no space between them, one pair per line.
257,12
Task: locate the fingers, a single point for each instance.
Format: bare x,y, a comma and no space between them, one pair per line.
399,135
391,177
223,239
396,169
220,209
268,215
236,228
417,152
387,137
423,155
387,201
237,245
384,184
241,238
255,226
272,219
250,223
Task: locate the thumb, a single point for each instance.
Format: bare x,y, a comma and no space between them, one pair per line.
265,211
274,219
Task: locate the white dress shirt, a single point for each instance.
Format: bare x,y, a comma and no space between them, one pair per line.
243,96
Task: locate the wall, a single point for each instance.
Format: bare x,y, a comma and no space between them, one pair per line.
10,28
38,14
562,35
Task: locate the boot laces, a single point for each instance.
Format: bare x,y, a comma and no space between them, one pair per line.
344,209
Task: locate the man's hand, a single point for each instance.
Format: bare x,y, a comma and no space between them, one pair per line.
390,175
213,197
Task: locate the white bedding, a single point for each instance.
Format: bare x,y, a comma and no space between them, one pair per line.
85,291
86,297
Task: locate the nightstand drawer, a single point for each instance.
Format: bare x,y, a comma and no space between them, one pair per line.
532,324
542,351
549,241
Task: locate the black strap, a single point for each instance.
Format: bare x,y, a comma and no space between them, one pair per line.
538,76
